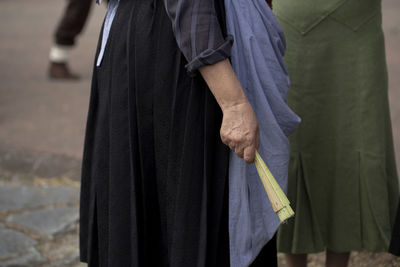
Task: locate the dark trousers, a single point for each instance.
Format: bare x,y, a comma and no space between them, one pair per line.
72,21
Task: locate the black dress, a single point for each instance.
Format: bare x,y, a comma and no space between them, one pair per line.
154,175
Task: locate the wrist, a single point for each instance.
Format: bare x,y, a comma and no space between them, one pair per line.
233,104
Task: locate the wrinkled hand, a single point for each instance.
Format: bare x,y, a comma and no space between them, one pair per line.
239,130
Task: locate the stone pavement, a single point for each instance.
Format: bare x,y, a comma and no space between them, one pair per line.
41,135
38,221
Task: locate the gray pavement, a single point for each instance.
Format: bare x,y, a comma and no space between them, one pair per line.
38,222
41,135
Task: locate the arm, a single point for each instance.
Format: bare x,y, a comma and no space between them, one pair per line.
199,37
239,129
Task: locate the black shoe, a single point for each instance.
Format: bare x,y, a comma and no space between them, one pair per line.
60,71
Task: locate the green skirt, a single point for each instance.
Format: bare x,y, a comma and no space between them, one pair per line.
342,176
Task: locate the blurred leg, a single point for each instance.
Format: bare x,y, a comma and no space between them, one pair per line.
72,21
334,259
71,24
296,260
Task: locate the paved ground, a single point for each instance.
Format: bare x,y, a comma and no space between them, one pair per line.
38,221
41,135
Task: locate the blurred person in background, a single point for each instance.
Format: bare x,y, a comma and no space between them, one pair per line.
70,26
342,176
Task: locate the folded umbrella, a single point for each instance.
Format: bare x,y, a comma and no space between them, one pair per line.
280,203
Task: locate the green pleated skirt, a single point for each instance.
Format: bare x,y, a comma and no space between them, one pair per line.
342,175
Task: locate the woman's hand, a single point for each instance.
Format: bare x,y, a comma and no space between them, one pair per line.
239,129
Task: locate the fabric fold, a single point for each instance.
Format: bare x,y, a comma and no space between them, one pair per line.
198,31
211,56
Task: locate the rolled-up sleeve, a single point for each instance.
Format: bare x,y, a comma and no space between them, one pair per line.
198,32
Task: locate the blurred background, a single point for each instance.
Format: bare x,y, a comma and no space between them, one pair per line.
42,123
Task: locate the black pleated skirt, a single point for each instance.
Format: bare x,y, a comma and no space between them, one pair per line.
154,175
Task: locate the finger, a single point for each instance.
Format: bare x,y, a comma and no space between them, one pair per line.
239,152
249,154
224,139
232,146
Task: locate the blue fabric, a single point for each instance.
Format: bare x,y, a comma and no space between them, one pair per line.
257,58
111,11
